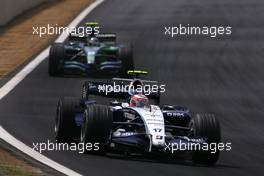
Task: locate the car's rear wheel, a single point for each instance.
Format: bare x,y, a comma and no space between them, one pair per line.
65,127
56,59
126,56
96,127
207,127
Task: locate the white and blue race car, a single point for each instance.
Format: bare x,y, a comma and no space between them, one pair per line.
137,126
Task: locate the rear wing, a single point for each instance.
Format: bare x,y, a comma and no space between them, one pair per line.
110,37
120,89
136,73
103,38
77,37
134,81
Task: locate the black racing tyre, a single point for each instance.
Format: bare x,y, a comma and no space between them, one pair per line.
65,127
96,127
85,93
206,126
56,58
126,56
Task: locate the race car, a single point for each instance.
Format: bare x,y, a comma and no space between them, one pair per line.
134,125
94,54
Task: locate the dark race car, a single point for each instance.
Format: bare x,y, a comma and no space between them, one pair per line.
134,125
91,54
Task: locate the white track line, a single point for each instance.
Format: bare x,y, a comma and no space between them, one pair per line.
36,155
12,83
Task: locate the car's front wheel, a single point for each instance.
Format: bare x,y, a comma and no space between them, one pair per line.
96,127
65,127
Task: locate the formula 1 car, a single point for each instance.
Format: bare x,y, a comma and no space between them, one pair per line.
144,129
90,54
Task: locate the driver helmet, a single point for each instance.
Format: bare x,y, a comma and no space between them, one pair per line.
136,87
93,41
139,100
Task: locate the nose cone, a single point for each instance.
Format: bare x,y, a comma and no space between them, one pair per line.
158,140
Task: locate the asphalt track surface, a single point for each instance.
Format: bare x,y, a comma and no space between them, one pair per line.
222,75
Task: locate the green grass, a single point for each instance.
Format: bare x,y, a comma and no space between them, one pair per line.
9,170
